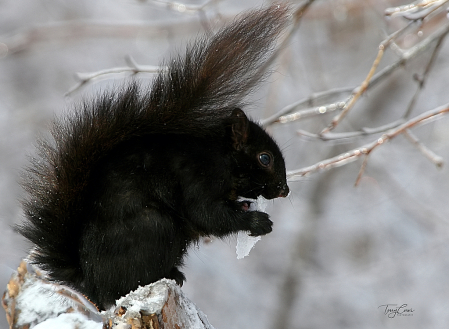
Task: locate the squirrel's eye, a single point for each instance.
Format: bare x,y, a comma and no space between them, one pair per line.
265,159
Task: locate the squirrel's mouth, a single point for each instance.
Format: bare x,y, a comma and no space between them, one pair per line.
246,205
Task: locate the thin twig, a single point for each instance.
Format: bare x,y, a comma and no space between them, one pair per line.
354,154
133,68
377,78
189,9
182,7
422,79
23,38
364,86
351,134
371,79
369,131
409,55
310,101
429,154
416,10
362,170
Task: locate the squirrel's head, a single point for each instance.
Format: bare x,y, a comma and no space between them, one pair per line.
259,167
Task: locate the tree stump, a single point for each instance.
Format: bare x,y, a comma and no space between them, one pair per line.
31,301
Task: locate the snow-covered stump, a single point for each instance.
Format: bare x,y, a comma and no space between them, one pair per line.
159,305
30,301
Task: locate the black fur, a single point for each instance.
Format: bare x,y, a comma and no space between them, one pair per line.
134,177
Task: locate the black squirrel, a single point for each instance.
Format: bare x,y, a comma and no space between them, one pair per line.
132,178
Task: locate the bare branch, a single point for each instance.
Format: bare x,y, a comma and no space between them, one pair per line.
354,154
364,86
132,67
421,79
435,159
377,78
187,9
416,10
409,55
282,117
182,7
362,170
368,131
21,39
351,134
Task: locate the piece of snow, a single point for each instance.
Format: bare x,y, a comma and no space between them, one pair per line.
69,321
246,242
150,299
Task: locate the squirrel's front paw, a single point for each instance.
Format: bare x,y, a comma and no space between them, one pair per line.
260,223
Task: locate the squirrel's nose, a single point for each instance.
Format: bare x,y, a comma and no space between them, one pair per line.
284,191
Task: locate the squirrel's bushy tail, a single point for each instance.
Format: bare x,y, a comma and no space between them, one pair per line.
217,73
191,96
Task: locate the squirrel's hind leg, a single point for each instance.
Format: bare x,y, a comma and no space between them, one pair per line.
177,275
142,247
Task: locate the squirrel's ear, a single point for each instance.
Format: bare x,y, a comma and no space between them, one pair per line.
240,128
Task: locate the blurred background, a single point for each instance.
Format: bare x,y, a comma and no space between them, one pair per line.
337,252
